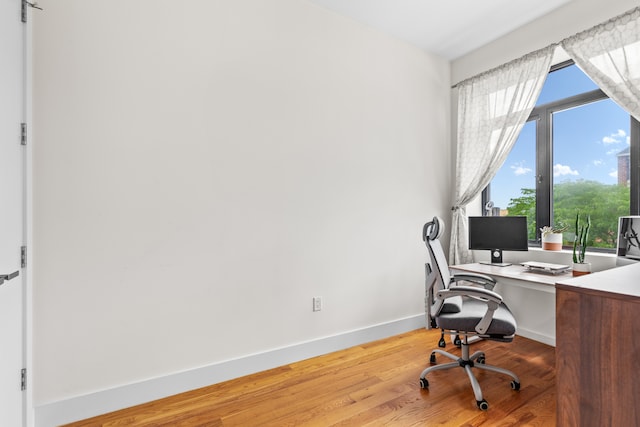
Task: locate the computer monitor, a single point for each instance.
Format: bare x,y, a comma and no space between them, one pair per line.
628,250
497,234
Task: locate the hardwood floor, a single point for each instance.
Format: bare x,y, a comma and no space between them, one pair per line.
373,384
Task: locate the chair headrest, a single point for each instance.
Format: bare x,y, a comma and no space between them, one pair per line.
433,229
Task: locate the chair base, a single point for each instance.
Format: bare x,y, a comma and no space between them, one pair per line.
476,360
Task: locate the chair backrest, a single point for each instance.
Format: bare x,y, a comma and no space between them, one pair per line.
439,276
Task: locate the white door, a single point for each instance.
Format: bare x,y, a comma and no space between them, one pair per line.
12,111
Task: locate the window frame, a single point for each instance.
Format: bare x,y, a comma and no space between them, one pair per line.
543,116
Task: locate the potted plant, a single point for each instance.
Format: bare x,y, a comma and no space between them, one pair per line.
580,247
552,237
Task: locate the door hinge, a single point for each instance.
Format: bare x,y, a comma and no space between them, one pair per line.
23,256
23,133
23,379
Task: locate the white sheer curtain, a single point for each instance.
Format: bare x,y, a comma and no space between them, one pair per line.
492,109
609,53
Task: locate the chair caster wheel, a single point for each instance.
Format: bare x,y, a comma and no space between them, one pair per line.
482,404
481,360
457,341
424,384
432,359
515,385
442,343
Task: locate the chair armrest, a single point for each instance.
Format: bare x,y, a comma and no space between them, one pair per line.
491,298
470,291
480,279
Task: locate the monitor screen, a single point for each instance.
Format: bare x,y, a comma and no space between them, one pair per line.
628,247
497,234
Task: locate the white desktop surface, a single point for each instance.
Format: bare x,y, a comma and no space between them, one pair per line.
530,296
514,271
624,281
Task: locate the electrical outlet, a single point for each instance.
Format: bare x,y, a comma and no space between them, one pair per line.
317,303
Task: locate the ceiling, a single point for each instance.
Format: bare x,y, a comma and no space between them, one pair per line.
449,28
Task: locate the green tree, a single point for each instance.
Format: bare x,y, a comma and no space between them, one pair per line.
525,205
604,203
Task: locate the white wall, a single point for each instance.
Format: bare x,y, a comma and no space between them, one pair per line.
203,168
567,20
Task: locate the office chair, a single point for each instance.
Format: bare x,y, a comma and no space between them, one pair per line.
468,311
430,232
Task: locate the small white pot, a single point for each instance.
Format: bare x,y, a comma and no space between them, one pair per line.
582,268
552,242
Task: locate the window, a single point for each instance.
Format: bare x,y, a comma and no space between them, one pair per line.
575,153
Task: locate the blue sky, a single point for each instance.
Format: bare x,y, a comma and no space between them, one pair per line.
586,140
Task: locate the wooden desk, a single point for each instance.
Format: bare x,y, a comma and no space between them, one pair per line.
530,296
598,343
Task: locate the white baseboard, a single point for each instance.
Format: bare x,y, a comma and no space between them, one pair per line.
536,336
90,405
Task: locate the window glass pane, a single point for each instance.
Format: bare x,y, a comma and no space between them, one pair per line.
513,189
563,83
591,168
588,144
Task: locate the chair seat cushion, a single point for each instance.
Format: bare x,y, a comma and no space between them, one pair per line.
452,305
503,325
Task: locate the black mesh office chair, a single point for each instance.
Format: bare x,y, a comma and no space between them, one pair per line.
467,311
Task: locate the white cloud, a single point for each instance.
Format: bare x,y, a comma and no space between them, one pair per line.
519,170
561,170
614,138
597,162
614,174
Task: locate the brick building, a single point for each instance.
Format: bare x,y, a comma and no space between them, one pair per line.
623,167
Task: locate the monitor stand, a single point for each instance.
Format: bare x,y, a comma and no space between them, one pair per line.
496,264
496,259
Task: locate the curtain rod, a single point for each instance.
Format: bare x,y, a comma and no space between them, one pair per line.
506,64
629,12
